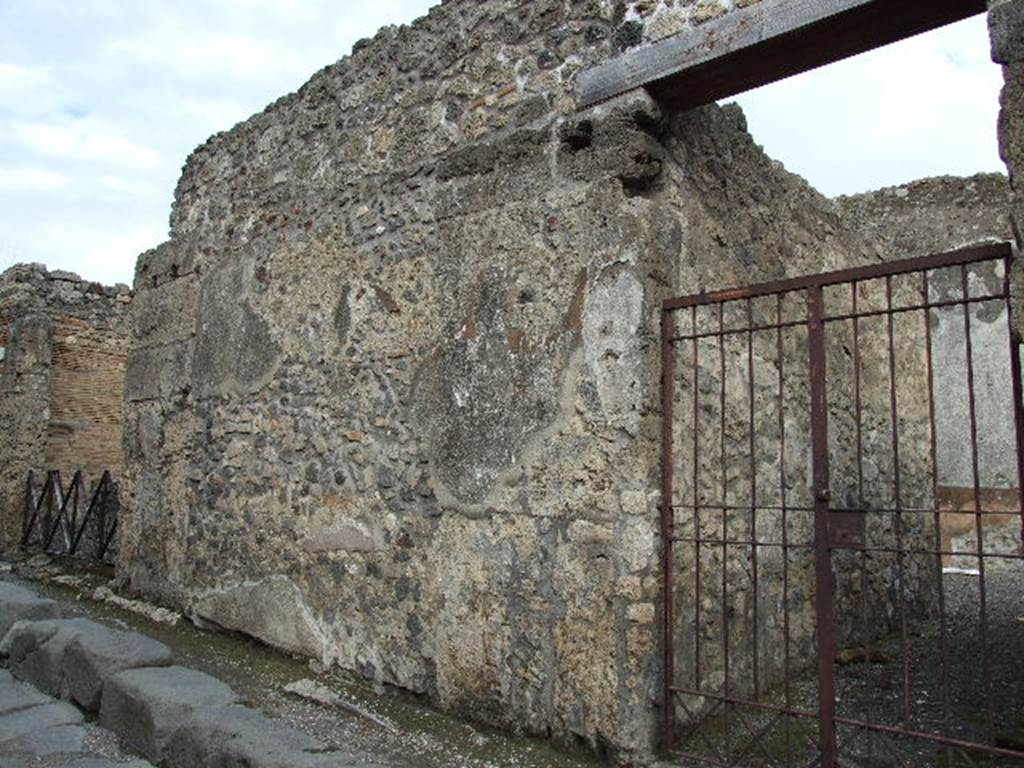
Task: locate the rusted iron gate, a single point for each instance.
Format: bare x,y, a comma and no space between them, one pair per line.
65,522
828,600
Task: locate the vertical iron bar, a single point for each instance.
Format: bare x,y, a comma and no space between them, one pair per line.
696,504
943,641
983,594
861,507
725,519
897,498
787,688
782,503
100,499
28,519
753,498
668,332
822,554
105,537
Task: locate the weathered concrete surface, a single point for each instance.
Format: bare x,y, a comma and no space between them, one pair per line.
19,604
146,706
63,345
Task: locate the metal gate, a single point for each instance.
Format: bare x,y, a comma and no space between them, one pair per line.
842,519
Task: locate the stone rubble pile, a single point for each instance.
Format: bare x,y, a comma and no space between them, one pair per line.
174,716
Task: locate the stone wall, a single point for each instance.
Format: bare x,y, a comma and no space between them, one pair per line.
64,345
932,216
393,389
392,393
1006,26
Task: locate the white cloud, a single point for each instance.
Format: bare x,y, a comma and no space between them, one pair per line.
196,53
31,180
923,107
86,139
101,101
16,79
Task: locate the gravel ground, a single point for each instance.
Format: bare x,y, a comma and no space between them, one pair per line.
418,736
973,692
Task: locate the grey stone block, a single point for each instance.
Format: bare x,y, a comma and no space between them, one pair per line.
237,737
24,721
92,657
20,604
146,706
15,696
1006,28
36,650
45,742
102,762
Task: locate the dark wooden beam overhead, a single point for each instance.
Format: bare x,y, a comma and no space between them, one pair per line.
762,43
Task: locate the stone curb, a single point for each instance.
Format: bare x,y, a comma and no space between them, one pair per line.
20,604
175,716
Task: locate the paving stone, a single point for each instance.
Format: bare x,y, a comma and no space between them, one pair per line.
24,721
15,696
92,657
36,650
20,604
44,742
238,737
102,762
146,706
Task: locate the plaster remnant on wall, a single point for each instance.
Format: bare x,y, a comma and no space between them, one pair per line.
272,610
613,316
340,537
234,349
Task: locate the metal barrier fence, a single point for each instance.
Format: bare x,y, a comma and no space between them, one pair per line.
76,522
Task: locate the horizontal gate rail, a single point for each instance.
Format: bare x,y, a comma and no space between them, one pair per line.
832,580
75,514
965,257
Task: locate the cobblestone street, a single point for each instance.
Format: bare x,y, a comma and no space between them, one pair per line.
164,692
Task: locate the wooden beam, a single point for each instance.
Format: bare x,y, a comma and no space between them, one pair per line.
768,41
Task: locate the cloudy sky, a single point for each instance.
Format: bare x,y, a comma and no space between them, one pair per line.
102,100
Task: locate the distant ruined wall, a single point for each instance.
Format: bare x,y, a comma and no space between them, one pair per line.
932,215
64,345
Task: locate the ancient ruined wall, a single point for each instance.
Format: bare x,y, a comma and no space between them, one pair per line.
65,346
393,386
1006,26
933,215
394,380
